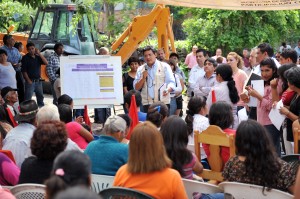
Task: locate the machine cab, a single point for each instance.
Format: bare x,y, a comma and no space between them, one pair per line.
53,24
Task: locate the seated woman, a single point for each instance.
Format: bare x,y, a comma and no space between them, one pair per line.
10,173
48,140
256,161
157,113
76,132
175,135
148,168
220,114
66,99
70,169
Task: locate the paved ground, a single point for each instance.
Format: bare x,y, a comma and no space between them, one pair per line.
118,108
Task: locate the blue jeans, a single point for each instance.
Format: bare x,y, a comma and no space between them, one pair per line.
275,135
53,93
173,106
38,89
101,114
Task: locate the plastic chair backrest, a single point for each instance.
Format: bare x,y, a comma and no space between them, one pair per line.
121,192
249,191
29,191
100,182
192,186
216,138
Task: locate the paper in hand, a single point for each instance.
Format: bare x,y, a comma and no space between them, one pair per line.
275,116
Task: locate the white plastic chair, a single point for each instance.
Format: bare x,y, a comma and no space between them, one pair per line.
192,186
249,191
100,182
29,191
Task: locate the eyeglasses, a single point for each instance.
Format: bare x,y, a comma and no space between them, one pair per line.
208,63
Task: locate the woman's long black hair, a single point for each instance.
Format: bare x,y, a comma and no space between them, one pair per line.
271,64
253,142
175,135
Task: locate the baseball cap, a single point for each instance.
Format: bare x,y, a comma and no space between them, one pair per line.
6,90
116,123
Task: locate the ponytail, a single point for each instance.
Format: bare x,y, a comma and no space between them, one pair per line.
194,106
233,93
54,185
189,119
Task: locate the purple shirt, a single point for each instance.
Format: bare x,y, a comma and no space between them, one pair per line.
9,173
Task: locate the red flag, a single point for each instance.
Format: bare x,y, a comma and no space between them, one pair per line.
133,114
86,116
11,117
213,96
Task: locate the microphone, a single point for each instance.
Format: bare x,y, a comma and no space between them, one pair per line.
146,69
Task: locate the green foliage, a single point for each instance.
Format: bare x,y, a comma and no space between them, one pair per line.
33,3
235,30
14,13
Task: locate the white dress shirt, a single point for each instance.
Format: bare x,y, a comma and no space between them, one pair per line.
195,73
18,142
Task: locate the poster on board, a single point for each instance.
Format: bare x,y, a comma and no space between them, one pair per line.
92,80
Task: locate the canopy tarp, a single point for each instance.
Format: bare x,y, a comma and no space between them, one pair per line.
234,4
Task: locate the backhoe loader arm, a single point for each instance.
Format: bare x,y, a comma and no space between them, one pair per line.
141,27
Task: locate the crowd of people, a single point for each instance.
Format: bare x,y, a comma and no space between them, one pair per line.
48,144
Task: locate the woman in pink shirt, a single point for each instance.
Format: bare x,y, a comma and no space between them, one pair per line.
76,132
264,102
239,76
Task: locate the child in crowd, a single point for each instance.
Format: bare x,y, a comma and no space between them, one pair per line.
196,120
70,168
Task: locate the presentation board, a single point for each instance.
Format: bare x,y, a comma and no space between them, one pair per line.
92,80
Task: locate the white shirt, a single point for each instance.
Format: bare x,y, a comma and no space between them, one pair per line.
18,142
256,70
178,88
222,94
195,73
200,123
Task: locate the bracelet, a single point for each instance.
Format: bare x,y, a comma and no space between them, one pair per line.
287,113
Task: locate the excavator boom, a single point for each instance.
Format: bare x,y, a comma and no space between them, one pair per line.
141,27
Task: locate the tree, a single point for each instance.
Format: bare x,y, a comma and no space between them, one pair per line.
117,23
14,13
235,30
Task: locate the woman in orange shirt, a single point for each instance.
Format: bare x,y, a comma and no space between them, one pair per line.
148,168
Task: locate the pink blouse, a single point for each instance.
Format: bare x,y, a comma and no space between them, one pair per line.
240,77
264,107
73,129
